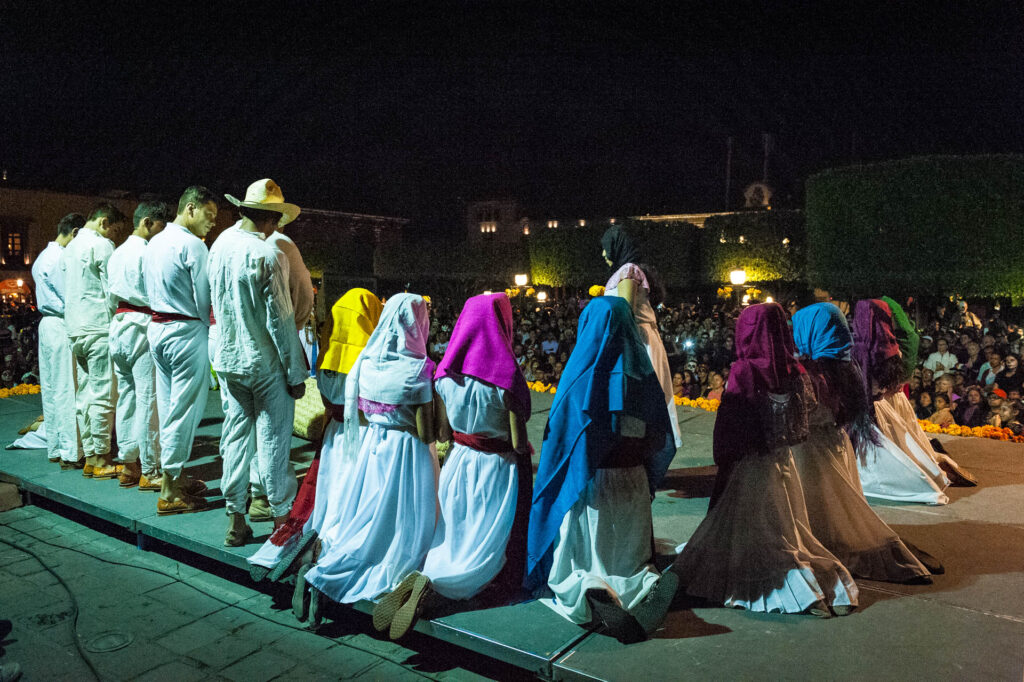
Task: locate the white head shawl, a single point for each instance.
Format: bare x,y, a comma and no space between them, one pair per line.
393,368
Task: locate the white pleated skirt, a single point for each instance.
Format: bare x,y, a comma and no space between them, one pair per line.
755,550
385,519
604,542
477,493
888,472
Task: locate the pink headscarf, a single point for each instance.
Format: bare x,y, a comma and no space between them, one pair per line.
874,341
766,354
481,347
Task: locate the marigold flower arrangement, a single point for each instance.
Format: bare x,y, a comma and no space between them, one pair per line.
987,431
724,292
541,387
596,291
20,389
706,404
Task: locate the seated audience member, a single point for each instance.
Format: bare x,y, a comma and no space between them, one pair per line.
691,384
550,345
941,361
679,386
912,388
991,369
716,385
995,400
1009,417
1012,377
927,382
925,349
943,415
972,410
944,385
702,378
923,407
973,361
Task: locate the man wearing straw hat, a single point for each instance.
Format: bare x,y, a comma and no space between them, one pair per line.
257,356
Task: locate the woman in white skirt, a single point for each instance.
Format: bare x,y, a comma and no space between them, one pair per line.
354,316
899,464
486,482
838,512
755,549
639,286
388,499
590,546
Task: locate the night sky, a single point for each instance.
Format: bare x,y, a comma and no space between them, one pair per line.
414,108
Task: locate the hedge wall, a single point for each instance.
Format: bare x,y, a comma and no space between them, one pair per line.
762,252
942,225
442,259
572,256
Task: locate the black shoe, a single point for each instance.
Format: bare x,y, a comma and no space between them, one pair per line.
618,622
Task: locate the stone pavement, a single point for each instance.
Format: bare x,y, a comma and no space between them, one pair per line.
177,633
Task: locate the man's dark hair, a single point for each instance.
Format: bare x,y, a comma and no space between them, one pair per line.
157,211
197,195
258,215
70,223
107,210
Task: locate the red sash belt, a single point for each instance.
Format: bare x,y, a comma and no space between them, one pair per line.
482,443
164,318
212,320
126,307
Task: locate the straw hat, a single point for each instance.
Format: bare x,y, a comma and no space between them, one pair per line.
266,195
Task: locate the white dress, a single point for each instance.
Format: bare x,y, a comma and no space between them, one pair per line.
477,493
329,479
647,323
755,550
839,515
902,466
604,542
386,515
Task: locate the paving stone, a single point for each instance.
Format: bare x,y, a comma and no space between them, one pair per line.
224,651
183,598
303,645
386,670
31,523
178,671
343,661
226,590
230,620
305,673
126,664
259,666
264,633
149,618
188,637
25,567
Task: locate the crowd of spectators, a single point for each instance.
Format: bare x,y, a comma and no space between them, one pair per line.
19,324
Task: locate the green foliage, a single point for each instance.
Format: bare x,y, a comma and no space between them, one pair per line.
353,258
761,253
443,259
941,225
572,256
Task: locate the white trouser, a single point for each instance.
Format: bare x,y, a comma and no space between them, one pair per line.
258,418
138,428
94,397
57,383
180,356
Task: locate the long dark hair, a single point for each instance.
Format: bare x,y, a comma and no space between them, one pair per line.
840,387
620,249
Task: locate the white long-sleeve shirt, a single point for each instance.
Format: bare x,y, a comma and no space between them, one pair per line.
125,276
300,284
87,308
253,309
49,279
175,270
947,360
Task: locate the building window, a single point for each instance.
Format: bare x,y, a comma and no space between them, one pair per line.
526,229
581,222
14,247
488,227
552,224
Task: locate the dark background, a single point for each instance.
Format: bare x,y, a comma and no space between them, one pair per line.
412,109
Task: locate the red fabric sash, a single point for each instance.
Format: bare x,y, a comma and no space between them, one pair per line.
164,318
126,307
482,443
301,508
212,320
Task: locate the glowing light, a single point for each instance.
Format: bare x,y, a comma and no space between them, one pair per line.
521,280
743,240
785,241
746,299
487,292
769,299
582,223
542,296
738,277
552,224
21,282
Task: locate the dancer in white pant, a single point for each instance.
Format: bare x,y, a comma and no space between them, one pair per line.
87,315
138,427
178,287
300,290
56,367
258,357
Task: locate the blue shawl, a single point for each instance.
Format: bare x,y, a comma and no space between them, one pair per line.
608,374
821,331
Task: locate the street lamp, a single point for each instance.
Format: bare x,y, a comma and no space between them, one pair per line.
542,296
738,277
521,280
